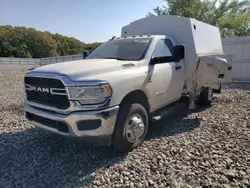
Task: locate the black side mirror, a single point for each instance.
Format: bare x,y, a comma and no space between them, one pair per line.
179,52
164,59
85,54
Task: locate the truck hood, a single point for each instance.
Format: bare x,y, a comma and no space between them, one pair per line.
87,68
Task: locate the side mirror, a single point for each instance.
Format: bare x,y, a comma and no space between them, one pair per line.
179,52
85,54
163,59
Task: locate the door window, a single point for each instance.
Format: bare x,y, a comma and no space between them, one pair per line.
163,48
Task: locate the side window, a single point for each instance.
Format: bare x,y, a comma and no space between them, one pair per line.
170,45
163,48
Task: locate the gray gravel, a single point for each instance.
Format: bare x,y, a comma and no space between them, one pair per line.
207,148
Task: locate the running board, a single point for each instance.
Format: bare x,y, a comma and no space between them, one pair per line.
168,110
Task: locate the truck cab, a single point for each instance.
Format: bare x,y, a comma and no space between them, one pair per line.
161,80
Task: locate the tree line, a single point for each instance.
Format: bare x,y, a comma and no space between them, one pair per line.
231,16
30,43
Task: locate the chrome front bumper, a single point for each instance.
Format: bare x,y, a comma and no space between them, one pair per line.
106,117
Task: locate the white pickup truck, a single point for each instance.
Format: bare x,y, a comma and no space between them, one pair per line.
110,97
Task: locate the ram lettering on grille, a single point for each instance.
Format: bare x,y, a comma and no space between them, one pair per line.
53,91
46,91
40,89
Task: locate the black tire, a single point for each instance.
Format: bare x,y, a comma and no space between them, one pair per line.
119,140
206,97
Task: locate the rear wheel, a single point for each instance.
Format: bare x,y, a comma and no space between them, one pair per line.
206,96
131,127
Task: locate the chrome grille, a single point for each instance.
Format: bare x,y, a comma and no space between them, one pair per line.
44,82
46,91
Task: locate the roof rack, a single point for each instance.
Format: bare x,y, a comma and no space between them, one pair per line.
134,36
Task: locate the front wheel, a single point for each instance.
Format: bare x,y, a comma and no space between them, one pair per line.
206,97
131,127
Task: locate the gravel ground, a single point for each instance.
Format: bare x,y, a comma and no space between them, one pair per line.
207,148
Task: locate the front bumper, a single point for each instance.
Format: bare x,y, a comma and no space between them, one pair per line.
99,123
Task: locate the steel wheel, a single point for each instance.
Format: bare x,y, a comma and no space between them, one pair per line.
131,127
135,128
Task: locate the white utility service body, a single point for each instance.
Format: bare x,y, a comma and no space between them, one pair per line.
109,97
202,43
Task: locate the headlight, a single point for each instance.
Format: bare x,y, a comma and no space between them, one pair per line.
90,94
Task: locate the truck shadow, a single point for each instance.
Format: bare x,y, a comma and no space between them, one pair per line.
175,123
34,158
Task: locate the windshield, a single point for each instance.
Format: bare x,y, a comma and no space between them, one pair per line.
123,49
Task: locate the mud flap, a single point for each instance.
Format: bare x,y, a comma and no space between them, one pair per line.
217,90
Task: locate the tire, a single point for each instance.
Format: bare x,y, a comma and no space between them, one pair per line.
206,97
122,139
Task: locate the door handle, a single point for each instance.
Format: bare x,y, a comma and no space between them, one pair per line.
178,67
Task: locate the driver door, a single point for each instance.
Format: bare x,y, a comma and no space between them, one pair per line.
165,86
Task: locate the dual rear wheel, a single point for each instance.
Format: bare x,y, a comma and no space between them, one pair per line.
206,97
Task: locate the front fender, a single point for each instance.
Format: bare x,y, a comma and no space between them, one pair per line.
125,82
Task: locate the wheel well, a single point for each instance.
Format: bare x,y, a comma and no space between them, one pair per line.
137,96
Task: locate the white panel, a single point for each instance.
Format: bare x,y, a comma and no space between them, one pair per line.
237,70
244,67
234,71
206,37
238,52
240,48
245,51
248,70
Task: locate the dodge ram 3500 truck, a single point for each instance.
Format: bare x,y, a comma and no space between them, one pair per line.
110,97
